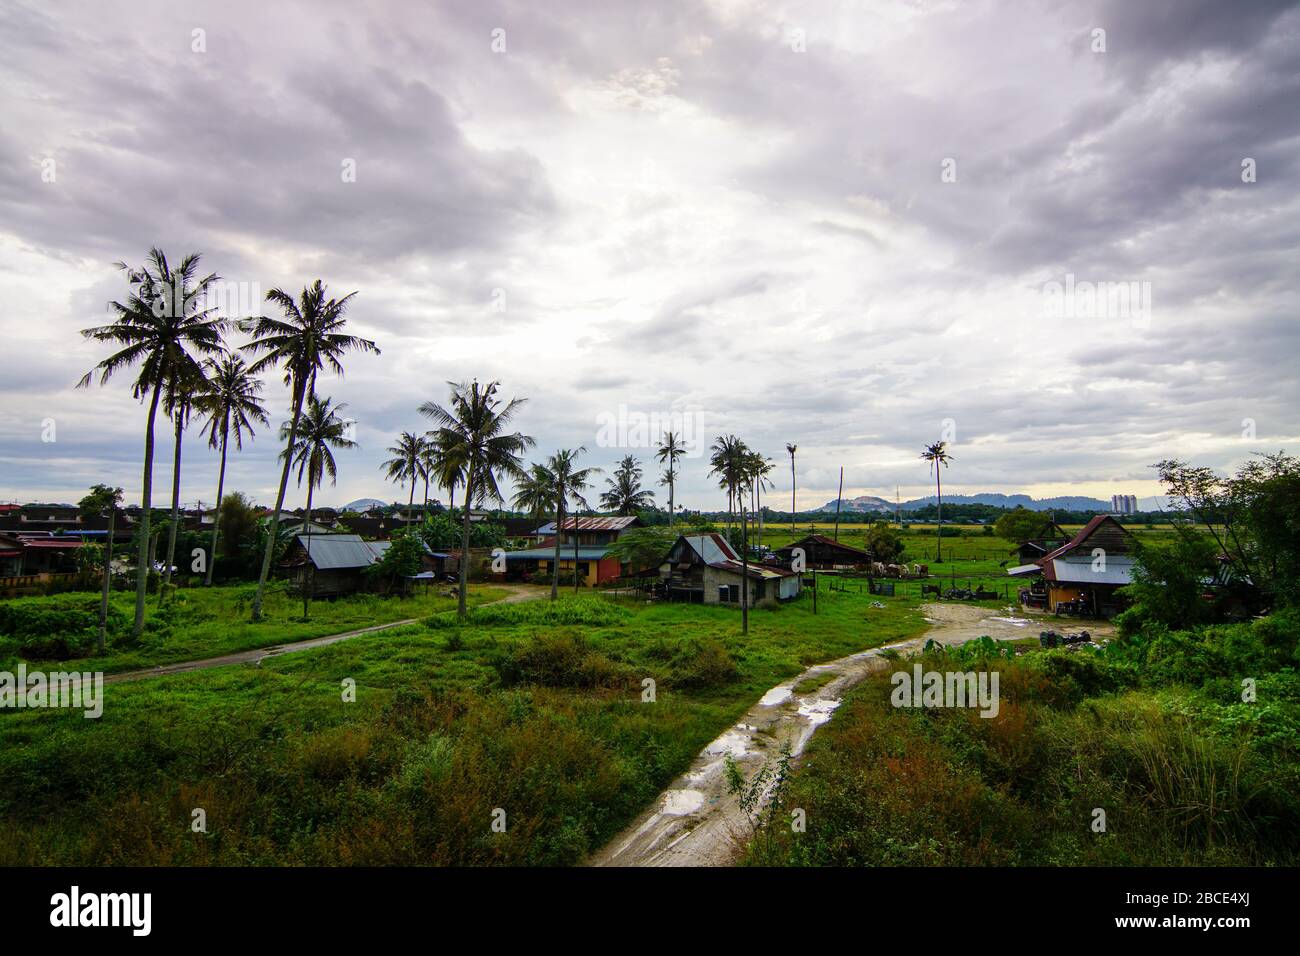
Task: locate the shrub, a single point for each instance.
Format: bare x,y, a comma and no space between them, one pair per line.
700,664
58,627
558,660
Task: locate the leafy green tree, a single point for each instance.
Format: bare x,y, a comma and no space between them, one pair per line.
403,558
307,340
884,542
1021,525
160,329
643,548
1168,585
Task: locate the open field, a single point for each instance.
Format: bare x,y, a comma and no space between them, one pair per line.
208,622
533,708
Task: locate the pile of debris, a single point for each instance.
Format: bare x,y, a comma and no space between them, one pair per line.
1052,639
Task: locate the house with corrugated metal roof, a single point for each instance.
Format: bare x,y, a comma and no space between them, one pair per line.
705,569
584,543
332,564
824,554
1083,575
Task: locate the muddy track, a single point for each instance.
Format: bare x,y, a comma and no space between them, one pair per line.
697,823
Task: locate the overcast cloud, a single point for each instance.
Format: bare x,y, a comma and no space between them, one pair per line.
737,211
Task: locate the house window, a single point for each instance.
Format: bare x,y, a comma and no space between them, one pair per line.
729,593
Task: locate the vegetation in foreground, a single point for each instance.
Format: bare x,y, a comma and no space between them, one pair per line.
59,632
535,708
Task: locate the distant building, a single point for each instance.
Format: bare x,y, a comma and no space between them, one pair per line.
1124,504
1086,571
594,537
705,569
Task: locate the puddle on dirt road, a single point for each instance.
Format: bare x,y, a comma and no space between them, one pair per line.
817,712
733,742
777,695
679,803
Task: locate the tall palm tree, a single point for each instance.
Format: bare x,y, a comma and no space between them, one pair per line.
104,498
178,401
471,430
671,448
791,449
758,467
405,465
308,339
624,494
444,468
428,467
320,431
936,455
535,492
727,461
570,483
161,329
231,404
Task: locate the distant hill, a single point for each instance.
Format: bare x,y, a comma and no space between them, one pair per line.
866,503
363,504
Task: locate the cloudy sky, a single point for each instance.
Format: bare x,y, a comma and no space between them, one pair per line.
858,227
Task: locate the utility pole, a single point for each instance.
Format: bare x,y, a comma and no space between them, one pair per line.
744,573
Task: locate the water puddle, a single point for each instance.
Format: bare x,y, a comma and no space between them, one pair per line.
679,803
777,695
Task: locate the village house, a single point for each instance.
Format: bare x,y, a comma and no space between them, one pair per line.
593,537
1082,575
704,569
824,554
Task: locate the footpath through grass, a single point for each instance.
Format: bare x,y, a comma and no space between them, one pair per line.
534,709
55,633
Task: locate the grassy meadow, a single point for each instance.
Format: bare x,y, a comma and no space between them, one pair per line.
194,623
533,708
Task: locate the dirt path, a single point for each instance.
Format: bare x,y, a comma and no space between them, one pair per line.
517,593
697,823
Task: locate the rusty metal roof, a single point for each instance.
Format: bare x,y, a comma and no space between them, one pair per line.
601,523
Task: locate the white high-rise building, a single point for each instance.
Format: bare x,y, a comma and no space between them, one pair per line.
1124,504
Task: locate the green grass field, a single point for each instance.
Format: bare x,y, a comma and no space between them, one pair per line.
533,708
210,622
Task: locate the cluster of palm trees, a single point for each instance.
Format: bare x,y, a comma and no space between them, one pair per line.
184,364
741,473
423,458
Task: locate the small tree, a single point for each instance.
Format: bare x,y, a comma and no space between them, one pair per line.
403,558
101,499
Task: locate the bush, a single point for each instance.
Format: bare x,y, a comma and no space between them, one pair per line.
580,611
702,664
58,627
559,660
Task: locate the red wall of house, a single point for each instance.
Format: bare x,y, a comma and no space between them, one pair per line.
607,569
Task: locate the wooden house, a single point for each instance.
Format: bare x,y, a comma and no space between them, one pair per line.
824,554
1083,574
705,569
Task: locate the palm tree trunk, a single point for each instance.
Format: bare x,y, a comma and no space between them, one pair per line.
310,583
464,548
451,498
555,569
299,387
744,573
176,509
410,505
146,501
216,517
671,509
758,491
792,482
108,573
575,554
938,531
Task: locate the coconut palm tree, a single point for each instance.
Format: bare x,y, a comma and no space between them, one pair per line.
405,465
758,467
444,468
936,455
727,461
161,329
535,492
428,466
320,431
231,404
671,448
308,339
624,494
178,402
570,483
471,431
103,498
791,449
